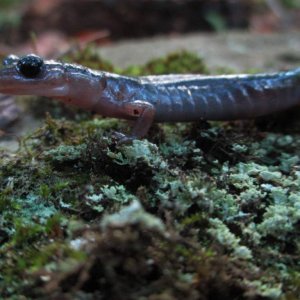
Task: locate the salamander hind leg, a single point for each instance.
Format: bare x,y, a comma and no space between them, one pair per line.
144,112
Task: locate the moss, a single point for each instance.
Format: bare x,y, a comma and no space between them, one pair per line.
89,56
177,62
291,4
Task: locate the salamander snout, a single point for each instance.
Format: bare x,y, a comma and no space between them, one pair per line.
10,60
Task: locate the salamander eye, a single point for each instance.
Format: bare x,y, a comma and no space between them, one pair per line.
30,66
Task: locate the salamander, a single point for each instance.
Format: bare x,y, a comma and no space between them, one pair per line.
148,99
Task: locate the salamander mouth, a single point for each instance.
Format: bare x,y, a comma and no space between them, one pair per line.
55,91
30,87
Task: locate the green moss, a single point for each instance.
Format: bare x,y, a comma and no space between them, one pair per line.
89,56
9,14
25,233
291,3
177,62
44,258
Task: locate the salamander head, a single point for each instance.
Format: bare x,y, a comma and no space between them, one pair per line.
31,75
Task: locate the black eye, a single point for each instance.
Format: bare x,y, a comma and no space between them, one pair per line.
30,66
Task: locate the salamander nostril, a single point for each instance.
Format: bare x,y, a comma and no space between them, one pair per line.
30,66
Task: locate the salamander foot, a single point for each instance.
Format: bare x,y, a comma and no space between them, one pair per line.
122,138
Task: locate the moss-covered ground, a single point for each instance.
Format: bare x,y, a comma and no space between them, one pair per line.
195,211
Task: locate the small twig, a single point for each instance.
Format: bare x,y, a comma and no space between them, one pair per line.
33,42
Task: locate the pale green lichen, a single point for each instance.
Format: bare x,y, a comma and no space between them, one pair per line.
140,150
221,233
252,195
271,291
224,204
279,195
270,176
65,153
239,148
288,162
133,214
26,209
285,140
117,193
279,220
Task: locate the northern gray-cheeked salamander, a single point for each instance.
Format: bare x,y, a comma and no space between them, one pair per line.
166,98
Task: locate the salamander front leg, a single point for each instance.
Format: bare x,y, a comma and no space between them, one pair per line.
144,112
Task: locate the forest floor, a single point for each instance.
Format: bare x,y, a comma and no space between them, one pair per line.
205,210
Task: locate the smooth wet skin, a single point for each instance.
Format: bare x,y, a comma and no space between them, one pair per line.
167,98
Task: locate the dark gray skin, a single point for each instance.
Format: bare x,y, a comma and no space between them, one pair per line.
167,98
